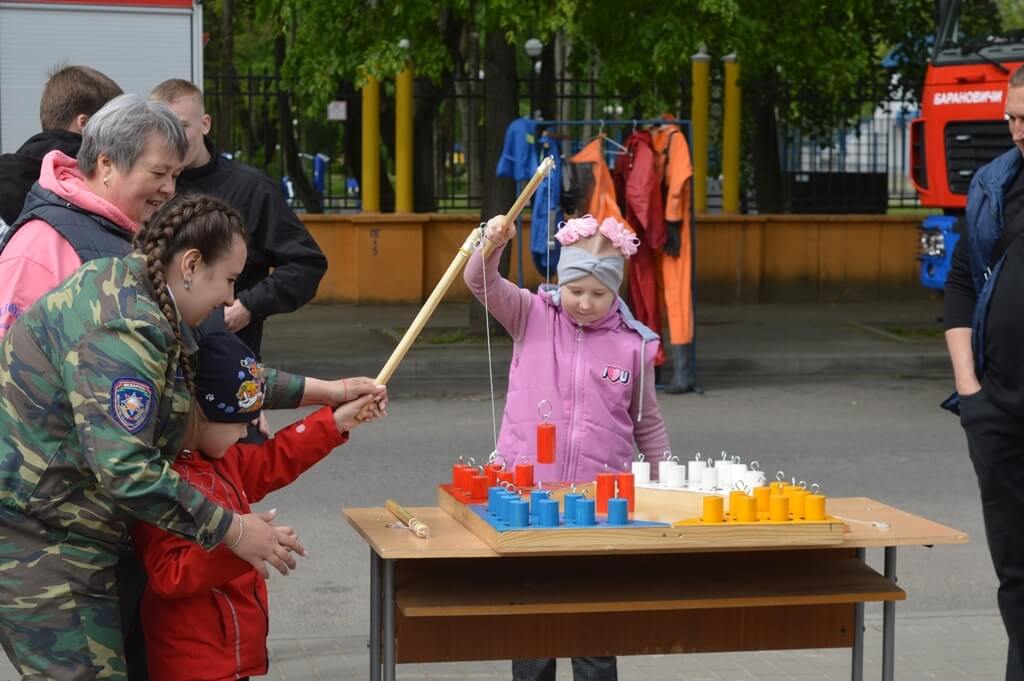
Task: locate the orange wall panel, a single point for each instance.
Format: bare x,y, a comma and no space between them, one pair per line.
740,258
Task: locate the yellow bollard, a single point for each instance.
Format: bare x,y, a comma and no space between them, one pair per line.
731,136
370,180
403,141
700,99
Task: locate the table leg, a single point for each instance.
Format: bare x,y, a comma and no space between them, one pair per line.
857,665
889,620
389,620
375,608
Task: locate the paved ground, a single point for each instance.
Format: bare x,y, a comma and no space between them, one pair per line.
948,647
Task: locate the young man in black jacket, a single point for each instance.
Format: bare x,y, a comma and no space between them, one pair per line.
278,239
71,95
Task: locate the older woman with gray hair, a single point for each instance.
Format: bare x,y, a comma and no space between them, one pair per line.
79,210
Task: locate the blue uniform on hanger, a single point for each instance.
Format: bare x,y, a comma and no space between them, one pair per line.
519,155
547,211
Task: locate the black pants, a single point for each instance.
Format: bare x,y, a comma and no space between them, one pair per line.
583,669
995,440
131,583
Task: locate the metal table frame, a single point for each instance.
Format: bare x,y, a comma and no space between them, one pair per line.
382,621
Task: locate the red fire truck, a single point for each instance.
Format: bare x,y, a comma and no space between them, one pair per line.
962,125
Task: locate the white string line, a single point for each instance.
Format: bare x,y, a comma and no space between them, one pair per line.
487,327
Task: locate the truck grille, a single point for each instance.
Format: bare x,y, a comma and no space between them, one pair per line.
970,145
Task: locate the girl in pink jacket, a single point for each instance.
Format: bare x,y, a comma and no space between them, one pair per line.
578,347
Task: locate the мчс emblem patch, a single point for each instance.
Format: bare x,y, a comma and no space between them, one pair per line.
130,402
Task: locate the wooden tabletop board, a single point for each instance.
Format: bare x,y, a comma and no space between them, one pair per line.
867,523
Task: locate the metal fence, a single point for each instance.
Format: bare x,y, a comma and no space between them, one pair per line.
864,167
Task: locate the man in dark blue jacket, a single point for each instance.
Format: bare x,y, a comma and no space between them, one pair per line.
985,337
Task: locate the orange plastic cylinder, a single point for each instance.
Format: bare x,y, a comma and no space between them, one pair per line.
762,494
814,507
778,507
796,503
746,509
713,509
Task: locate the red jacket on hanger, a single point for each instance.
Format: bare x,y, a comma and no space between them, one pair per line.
639,188
205,613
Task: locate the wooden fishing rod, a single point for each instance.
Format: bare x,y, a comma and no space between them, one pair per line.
455,268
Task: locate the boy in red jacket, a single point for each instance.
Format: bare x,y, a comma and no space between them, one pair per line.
205,612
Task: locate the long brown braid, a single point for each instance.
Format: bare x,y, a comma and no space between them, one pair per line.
204,223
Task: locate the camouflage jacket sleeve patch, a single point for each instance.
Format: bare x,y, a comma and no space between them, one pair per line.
131,403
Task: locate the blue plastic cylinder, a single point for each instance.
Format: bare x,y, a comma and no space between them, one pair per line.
548,513
586,512
569,510
519,513
618,511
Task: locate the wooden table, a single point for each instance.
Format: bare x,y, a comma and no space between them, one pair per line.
452,598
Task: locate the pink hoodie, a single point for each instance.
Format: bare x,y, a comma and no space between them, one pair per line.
37,258
599,385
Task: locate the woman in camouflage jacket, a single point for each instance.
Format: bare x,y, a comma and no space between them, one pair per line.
95,386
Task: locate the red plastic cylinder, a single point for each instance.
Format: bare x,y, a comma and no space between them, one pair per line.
491,470
524,475
461,473
546,443
627,489
478,488
605,490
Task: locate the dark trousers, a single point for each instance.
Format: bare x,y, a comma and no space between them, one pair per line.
995,440
583,669
131,583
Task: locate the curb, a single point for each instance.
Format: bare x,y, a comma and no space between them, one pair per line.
454,363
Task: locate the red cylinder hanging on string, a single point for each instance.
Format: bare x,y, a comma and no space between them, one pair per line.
545,434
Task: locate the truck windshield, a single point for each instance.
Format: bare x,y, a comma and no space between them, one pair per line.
978,32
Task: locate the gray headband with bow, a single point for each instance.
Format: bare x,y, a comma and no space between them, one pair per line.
575,263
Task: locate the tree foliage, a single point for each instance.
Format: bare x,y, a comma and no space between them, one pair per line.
808,63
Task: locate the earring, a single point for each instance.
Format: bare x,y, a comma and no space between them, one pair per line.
188,284
106,182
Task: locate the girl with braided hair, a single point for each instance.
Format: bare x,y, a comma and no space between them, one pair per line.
95,389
